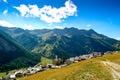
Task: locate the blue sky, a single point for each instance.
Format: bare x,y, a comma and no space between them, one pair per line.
101,15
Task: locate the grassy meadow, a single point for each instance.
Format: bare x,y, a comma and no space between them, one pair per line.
91,69
2,74
45,61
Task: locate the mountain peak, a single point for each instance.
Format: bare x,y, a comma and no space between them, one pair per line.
91,31
71,28
64,42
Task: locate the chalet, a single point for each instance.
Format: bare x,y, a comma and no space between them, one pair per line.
63,65
50,65
109,52
12,76
9,77
76,58
58,66
90,56
72,59
84,57
20,73
97,54
68,62
31,70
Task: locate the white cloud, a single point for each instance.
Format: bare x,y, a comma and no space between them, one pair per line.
89,25
47,13
34,10
5,1
5,24
5,12
29,27
23,9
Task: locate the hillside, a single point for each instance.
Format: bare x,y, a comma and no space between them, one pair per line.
13,55
67,42
21,36
92,69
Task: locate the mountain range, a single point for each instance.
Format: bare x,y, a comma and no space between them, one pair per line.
13,55
67,42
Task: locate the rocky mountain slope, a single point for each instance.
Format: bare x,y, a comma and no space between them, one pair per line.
65,42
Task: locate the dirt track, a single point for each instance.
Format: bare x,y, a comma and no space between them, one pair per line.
113,68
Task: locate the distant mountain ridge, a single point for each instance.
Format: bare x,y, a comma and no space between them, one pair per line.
65,42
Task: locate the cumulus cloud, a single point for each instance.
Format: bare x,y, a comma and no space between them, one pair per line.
5,23
23,9
48,14
5,12
29,27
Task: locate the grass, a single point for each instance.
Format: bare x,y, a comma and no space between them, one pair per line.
111,57
91,69
79,71
2,74
45,61
11,71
